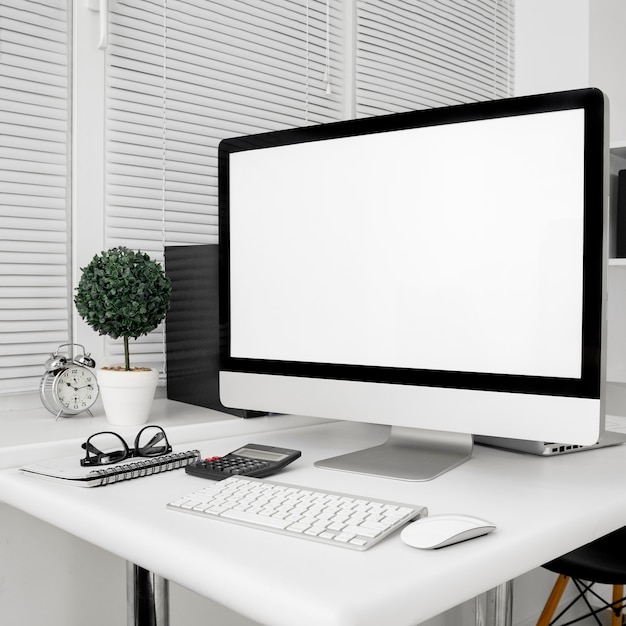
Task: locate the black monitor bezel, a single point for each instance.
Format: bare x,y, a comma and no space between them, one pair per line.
592,101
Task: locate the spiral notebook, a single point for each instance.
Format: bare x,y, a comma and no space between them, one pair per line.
69,471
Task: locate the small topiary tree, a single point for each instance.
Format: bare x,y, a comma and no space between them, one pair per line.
123,293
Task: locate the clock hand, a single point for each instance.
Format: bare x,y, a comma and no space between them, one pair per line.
77,388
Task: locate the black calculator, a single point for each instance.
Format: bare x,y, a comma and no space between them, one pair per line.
252,459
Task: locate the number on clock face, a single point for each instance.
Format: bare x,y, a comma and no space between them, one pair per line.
75,388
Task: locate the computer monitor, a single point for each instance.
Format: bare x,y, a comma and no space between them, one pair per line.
439,271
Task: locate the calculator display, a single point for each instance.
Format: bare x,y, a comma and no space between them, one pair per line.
259,454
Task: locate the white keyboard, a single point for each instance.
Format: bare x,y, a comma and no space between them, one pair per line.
333,518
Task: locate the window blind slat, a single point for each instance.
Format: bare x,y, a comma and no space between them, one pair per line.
27,89
25,110
30,25
27,122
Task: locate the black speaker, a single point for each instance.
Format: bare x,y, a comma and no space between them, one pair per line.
620,230
192,330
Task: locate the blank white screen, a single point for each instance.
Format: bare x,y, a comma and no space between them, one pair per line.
455,247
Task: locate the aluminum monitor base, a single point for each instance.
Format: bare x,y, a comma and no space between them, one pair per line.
408,454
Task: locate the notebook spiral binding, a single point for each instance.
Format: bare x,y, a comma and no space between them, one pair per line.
147,467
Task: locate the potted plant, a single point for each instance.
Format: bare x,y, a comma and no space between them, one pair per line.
123,293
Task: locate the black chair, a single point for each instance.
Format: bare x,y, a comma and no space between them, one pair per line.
601,561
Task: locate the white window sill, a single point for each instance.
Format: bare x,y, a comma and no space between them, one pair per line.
29,433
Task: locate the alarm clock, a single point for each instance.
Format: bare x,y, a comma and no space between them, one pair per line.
69,386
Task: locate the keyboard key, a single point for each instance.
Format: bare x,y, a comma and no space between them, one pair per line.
262,520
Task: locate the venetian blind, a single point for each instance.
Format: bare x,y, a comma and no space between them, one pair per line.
35,297
181,76
429,53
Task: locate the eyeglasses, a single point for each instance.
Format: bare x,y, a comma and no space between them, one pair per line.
108,447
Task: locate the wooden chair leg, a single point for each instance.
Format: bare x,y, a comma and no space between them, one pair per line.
553,600
618,594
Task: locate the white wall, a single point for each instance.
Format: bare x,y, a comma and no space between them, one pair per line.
551,45
49,577
570,44
607,58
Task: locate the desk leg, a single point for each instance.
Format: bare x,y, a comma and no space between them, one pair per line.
147,598
495,607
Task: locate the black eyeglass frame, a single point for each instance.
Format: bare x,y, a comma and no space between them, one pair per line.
95,457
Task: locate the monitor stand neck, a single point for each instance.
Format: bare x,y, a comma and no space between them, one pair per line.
408,454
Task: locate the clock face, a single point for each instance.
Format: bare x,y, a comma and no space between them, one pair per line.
76,389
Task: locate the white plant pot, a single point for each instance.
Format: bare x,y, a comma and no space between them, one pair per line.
127,396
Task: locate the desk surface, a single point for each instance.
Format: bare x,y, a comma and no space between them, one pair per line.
543,507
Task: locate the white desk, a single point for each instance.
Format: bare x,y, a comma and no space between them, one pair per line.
543,508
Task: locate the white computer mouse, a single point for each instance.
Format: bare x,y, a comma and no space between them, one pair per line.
438,531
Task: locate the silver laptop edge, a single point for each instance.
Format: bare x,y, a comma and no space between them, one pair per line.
542,448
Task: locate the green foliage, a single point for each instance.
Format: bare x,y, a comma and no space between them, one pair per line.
123,293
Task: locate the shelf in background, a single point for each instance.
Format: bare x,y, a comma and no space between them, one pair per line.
618,148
